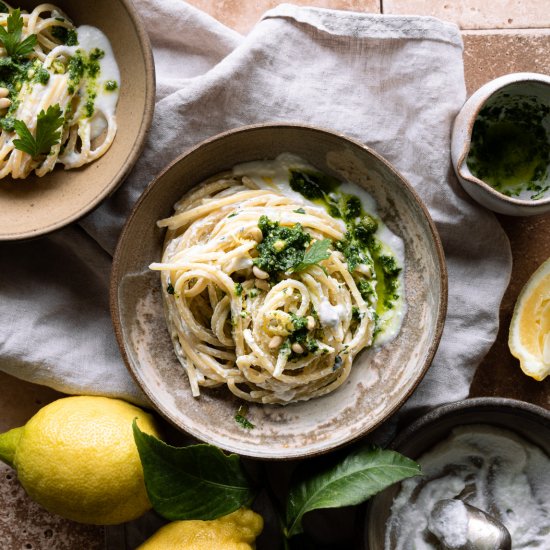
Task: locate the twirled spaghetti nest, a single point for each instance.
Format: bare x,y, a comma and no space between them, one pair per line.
271,337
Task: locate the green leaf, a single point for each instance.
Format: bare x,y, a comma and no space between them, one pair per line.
48,133
354,480
26,47
11,37
317,252
194,482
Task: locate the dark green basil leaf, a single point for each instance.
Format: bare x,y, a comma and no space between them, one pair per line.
194,482
359,476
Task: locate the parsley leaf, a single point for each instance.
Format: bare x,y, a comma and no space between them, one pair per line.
317,252
240,418
11,38
48,132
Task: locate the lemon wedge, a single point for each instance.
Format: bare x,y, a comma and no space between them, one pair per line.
529,338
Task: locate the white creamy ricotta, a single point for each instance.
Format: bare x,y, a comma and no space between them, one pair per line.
511,482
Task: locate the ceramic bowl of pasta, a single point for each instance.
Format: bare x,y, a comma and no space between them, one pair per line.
76,101
278,291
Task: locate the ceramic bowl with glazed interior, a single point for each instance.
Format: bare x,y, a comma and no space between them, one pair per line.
510,417
39,205
381,379
500,145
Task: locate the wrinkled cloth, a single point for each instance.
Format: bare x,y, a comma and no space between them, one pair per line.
394,83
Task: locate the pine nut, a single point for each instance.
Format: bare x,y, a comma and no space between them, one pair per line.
297,348
275,342
5,103
260,273
4,92
262,285
310,322
256,234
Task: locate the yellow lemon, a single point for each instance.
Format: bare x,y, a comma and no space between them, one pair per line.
236,531
77,458
529,338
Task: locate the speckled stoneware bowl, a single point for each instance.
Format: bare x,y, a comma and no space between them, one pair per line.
529,421
381,379
36,206
515,85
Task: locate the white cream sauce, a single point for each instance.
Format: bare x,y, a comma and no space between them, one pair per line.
511,481
106,101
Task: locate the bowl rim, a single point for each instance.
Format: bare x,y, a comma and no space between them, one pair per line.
137,147
495,86
431,349
428,420
488,403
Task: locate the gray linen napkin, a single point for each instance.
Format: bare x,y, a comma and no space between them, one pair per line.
394,83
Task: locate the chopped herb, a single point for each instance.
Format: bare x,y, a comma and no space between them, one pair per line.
353,251
238,289
64,35
299,211
72,38
389,266
93,68
90,104
96,54
11,38
272,260
111,86
48,132
312,345
42,76
7,123
352,207
312,185
170,288
366,228
240,418
366,289
252,294
338,362
232,215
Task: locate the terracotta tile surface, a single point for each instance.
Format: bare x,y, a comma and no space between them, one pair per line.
478,14
242,16
24,525
494,53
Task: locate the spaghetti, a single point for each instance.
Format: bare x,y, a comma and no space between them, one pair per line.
58,92
259,294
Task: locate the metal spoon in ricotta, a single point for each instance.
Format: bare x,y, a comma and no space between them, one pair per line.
460,526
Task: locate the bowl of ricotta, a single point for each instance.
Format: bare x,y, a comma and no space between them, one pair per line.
491,453
278,291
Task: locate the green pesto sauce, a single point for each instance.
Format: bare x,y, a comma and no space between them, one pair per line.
64,35
282,247
510,149
360,244
111,85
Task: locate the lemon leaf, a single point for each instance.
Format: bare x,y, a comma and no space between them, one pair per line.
359,476
194,482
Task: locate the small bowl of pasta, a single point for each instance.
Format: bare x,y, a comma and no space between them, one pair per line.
278,291
73,75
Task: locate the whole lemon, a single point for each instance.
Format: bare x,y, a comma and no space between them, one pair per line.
235,531
77,458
